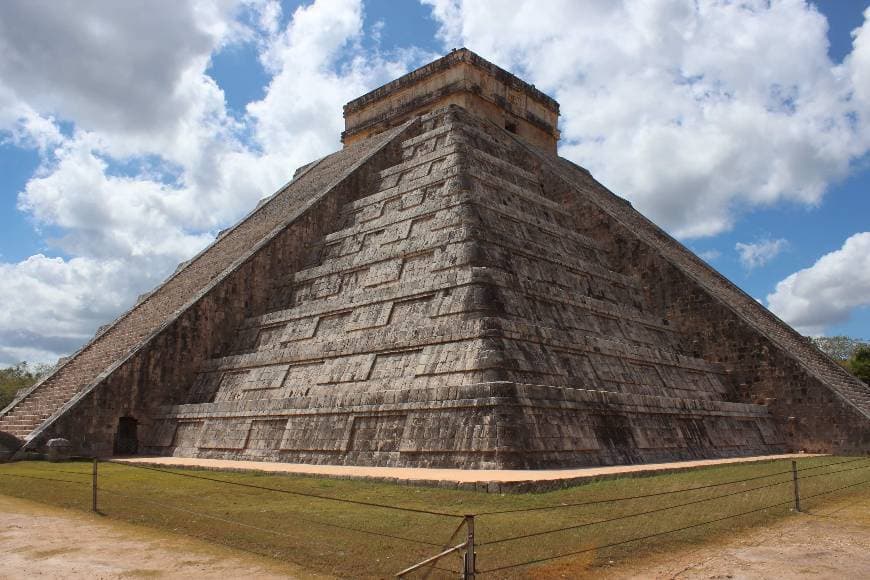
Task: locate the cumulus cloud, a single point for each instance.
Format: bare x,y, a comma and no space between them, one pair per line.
142,163
51,305
755,255
107,216
318,65
115,67
828,291
710,255
858,63
690,109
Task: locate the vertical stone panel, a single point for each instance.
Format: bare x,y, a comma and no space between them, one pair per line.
380,433
265,435
187,435
225,434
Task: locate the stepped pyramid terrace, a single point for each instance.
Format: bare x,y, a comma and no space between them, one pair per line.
445,291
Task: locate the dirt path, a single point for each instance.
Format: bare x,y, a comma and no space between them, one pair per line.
829,543
46,542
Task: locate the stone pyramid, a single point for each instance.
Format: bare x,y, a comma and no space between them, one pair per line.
446,291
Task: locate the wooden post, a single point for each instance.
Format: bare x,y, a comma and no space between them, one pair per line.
94,486
468,571
797,493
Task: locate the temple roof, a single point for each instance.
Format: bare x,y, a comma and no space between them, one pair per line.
460,78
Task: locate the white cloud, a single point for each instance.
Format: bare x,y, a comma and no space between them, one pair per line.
51,305
759,253
114,67
269,17
828,291
318,66
858,63
710,255
108,216
153,164
690,109
22,126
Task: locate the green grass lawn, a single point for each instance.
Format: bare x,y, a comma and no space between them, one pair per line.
353,540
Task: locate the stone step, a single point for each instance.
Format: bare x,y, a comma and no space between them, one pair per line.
25,420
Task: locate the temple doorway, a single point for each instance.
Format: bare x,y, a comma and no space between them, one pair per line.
126,441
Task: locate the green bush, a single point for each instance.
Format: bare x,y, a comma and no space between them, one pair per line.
18,377
859,364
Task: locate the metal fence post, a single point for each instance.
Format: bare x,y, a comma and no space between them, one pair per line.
797,493
468,571
94,486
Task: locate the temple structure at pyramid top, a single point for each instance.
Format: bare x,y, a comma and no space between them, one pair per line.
445,291
464,79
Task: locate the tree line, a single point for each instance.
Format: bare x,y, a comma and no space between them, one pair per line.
853,354
19,376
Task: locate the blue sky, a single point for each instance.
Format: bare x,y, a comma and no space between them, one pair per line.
129,137
815,230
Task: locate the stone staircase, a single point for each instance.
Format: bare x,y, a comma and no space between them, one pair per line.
34,410
36,407
851,389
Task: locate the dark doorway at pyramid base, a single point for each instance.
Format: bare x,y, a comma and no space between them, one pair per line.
515,427
126,438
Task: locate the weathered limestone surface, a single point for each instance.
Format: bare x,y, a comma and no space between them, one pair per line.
460,78
139,360
447,293
820,406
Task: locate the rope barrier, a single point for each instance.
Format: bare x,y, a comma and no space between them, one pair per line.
639,538
838,509
837,489
47,479
494,512
657,534
41,470
287,491
662,493
833,463
833,472
629,498
237,523
627,516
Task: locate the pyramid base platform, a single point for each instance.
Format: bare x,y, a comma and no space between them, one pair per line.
483,480
481,426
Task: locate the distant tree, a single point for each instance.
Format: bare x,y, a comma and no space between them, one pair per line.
859,363
839,348
18,377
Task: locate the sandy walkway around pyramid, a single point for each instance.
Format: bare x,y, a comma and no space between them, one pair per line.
490,480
